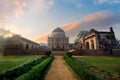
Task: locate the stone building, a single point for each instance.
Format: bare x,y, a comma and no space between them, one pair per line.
14,44
15,40
17,45
58,40
97,40
21,42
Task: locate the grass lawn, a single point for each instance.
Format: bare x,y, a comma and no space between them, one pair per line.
7,62
107,63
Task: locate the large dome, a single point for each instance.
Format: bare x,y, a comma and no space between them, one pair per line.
58,32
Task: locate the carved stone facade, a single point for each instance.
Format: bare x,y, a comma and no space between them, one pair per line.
58,40
97,40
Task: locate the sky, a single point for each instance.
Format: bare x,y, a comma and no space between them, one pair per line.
35,19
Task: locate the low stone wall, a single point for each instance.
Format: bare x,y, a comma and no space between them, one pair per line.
96,53
19,51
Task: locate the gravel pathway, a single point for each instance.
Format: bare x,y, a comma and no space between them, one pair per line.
59,71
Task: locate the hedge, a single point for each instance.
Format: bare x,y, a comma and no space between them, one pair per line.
36,72
81,72
107,74
69,54
47,53
13,73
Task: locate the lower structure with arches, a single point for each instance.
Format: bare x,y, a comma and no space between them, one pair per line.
97,40
17,45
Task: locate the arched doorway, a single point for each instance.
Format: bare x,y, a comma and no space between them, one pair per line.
57,45
92,45
87,45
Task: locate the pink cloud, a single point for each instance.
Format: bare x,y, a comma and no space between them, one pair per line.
89,21
20,6
42,38
95,16
11,7
100,20
71,26
16,7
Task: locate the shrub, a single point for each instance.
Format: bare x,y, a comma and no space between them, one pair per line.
11,74
36,72
69,54
83,73
108,74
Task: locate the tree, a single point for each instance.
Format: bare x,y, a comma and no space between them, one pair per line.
81,34
2,43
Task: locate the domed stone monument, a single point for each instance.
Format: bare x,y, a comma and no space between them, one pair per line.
58,40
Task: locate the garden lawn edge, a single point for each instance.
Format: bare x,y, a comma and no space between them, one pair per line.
104,73
37,71
80,71
15,72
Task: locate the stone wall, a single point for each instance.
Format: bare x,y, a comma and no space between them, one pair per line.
19,51
96,53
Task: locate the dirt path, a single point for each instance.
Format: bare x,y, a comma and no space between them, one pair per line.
59,71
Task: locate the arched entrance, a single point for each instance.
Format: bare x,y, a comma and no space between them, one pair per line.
87,45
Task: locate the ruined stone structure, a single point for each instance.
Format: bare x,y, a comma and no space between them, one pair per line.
58,40
97,40
18,41
17,45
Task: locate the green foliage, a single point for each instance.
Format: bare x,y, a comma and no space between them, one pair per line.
47,53
7,62
83,73
113,63
97,70
81,34
36,72
11,74
2,44
69,54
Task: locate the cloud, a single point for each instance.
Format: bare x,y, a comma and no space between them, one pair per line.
88,21
42,38
99,20
40,5
107,1
10,7
19,30
77,3
16,7
20,6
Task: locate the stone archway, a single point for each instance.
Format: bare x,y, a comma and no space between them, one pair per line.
57,45
92,45
87,45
